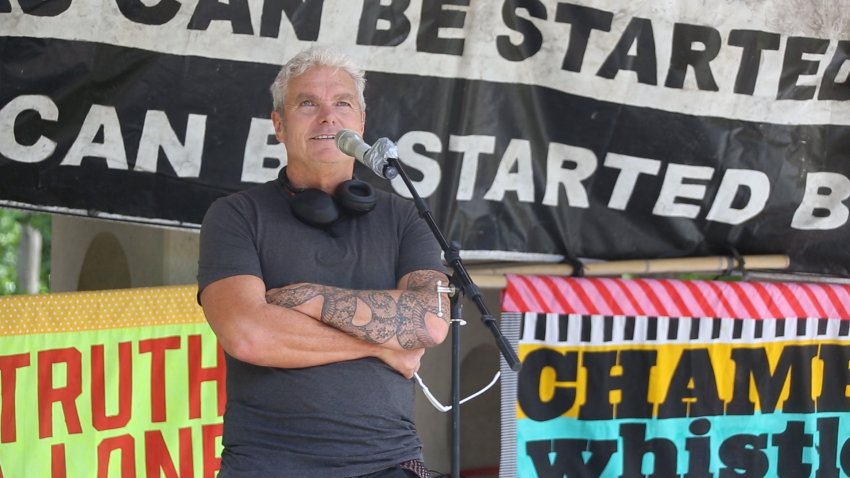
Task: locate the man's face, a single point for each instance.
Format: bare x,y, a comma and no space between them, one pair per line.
318,103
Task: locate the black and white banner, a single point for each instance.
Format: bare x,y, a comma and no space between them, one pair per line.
608,129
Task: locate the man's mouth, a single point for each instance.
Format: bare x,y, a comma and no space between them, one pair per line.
324,136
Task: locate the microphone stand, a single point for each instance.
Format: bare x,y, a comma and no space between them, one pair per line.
463,286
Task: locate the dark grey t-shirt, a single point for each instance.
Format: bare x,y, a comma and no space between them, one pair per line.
342,419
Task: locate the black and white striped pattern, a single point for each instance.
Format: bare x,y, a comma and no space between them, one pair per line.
511,328
576,329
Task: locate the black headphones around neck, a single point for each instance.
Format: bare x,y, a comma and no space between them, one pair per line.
319,209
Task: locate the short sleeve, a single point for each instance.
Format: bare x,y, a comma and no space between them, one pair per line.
228,242
419,249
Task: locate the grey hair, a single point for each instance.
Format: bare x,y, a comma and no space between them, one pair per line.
313,57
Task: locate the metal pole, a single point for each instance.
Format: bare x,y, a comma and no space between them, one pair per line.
456,316
29,259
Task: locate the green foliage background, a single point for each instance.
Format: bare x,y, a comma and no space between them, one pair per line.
11,221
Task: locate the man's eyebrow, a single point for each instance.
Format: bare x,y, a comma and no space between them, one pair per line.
304,96
311,96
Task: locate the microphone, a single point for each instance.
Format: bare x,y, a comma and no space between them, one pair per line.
375,157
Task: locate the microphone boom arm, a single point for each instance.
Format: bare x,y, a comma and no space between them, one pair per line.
463,285
461,276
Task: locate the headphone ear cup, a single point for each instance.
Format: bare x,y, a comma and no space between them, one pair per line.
315,207
356,196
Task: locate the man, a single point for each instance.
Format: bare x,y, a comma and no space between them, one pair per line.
323,323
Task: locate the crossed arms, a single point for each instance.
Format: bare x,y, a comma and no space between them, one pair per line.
304,325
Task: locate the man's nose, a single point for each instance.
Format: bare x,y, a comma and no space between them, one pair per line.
327,113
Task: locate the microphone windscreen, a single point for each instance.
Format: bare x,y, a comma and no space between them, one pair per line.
350,143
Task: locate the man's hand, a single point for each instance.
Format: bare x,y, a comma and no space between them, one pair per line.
405,362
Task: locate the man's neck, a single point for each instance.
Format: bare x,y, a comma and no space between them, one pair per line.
319,176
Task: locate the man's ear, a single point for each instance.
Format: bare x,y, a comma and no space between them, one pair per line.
279,130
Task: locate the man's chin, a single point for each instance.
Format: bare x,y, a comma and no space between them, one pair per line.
332,158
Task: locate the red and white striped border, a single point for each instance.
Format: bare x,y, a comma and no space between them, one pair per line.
675,298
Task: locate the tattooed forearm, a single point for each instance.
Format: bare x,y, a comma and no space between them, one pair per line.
377,327
425,283
383,315
413,331
293,296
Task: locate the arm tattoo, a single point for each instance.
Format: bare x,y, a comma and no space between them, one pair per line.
293,297
419,299
403,318
412,332
339,308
